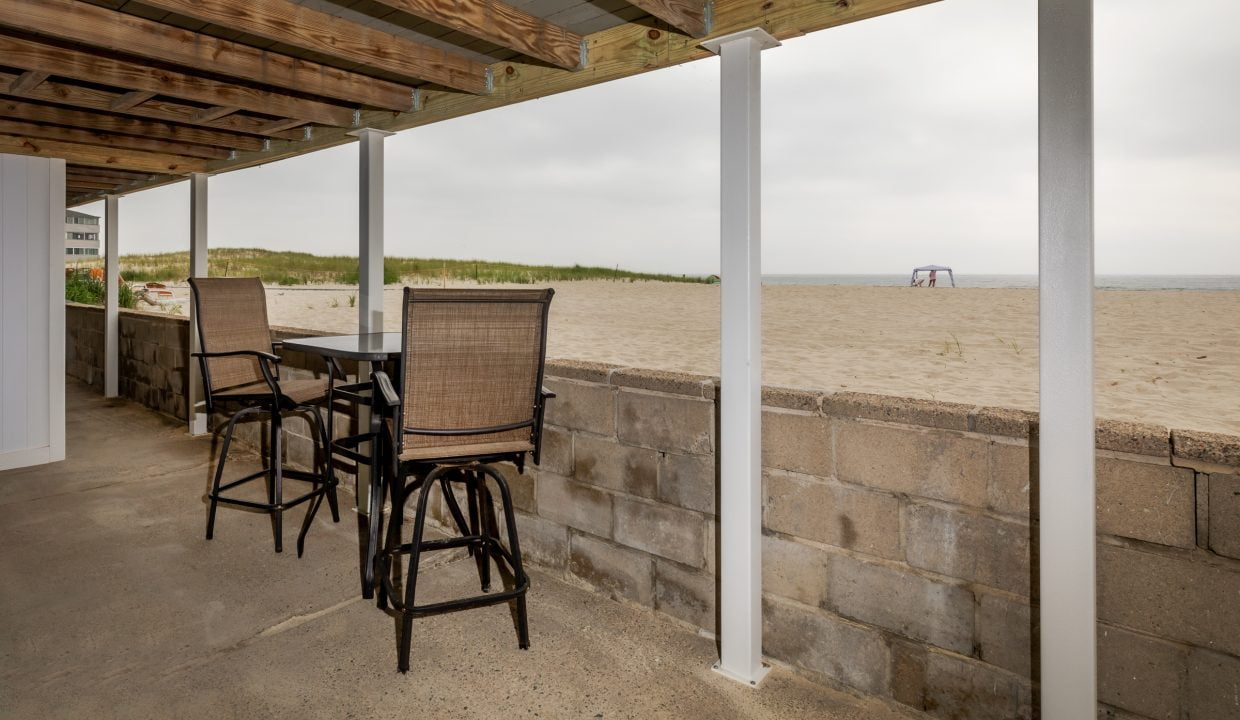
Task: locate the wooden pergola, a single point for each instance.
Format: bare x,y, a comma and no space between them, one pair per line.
122,95
139,94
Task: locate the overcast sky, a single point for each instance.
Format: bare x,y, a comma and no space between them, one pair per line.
888,143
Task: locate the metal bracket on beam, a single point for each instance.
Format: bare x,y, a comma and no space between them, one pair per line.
266,144
490,81
357,117
415,100
708,16
585,55
307,132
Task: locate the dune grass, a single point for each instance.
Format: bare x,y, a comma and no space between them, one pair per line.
295,268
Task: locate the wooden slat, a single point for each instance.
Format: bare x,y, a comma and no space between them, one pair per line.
99,173
277,125
26,82
501,24
214,113
286,22
104,122
33,55
687,16
73,183
130,99
120,142
101,156
133,35
155,109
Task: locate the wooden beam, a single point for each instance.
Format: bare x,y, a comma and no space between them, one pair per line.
155,109
98,173
277,125
286,22
33,55
214,113
120,142
130,99
101,156
502,24
133,35
103,122
73,183
26,82
687,16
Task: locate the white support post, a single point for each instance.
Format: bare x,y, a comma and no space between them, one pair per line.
1066,313
197,268
740,355
370,229
370,262
111,304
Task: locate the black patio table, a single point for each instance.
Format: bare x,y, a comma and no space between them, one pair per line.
367,347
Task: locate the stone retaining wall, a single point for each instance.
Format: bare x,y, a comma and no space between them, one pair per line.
898,534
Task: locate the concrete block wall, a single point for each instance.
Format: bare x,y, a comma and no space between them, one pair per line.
900,540
154,354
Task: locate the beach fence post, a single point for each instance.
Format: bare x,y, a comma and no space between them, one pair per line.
370,263
1066,506
111,299
197,410
740,354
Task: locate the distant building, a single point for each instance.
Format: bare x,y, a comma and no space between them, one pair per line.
81,234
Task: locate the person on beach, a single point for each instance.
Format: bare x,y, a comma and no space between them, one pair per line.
933,275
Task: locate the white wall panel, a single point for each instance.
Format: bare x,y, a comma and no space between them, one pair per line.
32,311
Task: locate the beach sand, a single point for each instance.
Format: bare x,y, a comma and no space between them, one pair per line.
1166,357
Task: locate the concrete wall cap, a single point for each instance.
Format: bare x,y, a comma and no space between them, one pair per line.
792,398
580,370
1008,422
1132,437
928,413
1215,448
664,381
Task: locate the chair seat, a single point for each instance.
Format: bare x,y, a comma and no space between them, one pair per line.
301,391
448,452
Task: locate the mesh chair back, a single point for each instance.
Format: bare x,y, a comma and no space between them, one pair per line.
232,315
472,359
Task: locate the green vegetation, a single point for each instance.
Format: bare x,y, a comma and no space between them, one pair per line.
80,287
295,268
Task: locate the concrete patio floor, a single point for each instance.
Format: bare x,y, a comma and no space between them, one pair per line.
113,605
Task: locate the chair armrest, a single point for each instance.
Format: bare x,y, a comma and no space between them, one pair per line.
277,345
547,394
233,353
384,389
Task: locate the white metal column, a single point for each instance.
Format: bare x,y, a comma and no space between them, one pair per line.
111,305
370,229
197,268
1066,351
370,262
740,354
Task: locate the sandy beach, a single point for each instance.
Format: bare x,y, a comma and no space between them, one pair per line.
1167,357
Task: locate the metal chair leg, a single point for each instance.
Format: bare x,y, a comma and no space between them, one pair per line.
480,498
219,468
276,493
329,470
514,548
411,581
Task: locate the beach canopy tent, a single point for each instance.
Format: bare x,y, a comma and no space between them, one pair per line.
107,97
932,268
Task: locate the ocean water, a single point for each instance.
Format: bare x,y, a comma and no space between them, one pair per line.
966,280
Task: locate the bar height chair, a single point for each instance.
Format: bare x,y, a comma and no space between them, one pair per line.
470,395
240,369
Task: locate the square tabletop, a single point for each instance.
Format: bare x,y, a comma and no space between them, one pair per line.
367,347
